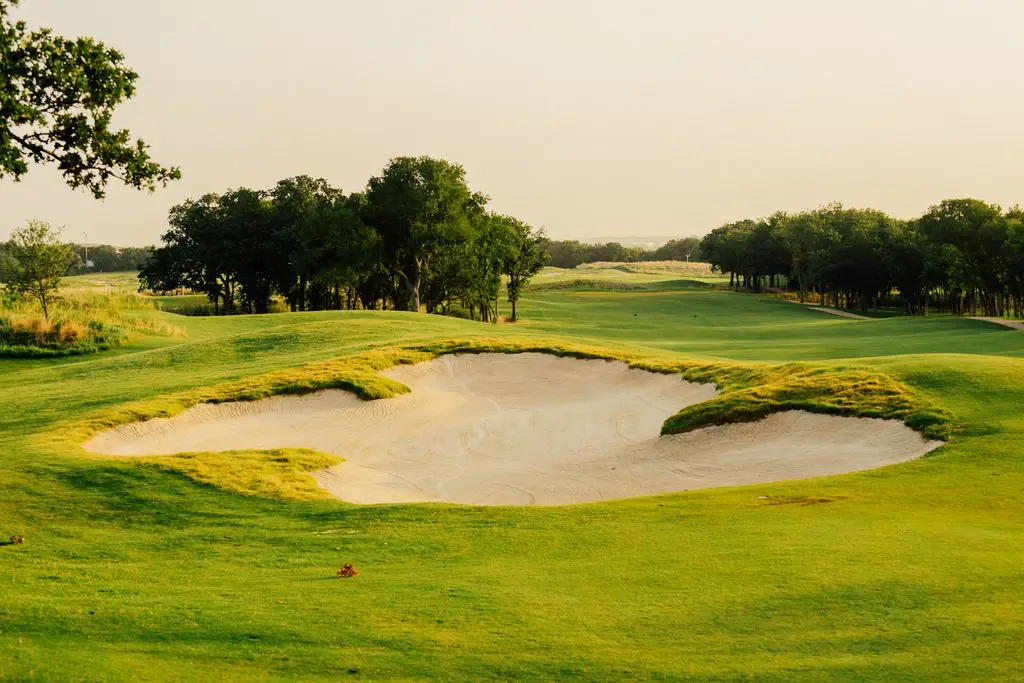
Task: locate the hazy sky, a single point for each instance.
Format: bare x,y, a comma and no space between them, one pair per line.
588,117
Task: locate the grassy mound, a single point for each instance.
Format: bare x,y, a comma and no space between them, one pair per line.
751,394
280,473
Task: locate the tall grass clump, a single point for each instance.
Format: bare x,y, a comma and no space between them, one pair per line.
77,324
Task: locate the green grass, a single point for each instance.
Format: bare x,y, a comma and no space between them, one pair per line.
137,570
723,324
103,283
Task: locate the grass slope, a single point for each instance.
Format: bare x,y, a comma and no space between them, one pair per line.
724,324
910,572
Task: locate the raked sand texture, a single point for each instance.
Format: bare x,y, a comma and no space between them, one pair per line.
524,429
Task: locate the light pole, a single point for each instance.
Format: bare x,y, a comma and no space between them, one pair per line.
86,236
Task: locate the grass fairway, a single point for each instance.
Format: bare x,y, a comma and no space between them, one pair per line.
99,283
911,572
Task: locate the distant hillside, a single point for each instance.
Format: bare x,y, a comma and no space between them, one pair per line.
643,241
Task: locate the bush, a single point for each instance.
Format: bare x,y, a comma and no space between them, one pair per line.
193,309
459,312
78,324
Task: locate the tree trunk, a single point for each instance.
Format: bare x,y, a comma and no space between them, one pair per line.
412,285
262,302
414,290
42,301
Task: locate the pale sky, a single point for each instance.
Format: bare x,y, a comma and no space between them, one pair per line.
587,117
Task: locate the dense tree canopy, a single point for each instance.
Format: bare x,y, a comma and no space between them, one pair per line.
963,255
105,258
572,253
57,99
421,208
417,238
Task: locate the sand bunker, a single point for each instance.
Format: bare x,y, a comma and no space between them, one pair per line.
524,429
1012,324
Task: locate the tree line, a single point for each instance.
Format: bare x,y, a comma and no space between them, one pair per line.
572,253
105,258
102,258
962,255
417,237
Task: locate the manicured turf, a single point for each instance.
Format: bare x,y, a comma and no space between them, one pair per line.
724,324
121,281
911,572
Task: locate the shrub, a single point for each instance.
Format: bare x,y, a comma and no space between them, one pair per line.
81,323
68,332
458,312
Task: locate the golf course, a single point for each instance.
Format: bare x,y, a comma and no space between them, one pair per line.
222,565
584,340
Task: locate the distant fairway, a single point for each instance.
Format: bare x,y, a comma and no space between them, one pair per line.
725,324
909,572
100,283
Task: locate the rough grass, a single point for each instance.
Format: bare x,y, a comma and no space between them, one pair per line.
280,473
752,394
80,322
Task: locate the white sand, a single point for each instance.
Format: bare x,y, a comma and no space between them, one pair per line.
524,429
1012,324
825,309
838,312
